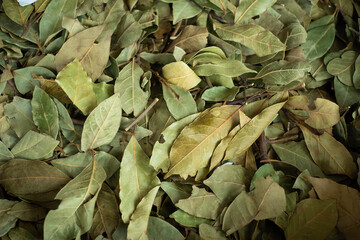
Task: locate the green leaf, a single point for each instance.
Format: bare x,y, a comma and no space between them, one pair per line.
240,213
345,95
21,233
132,96
208,232
19,114
346,202
179,101
184,10
329,154
65,123
34,146
24,78
7,222
201,204
180,74
297,155
269,197
21,177
92,56
138,224
102,124
250,8
78,86
160,153
311,214
324,115
5,153
253,36
45,113
176,191
74,164
107,215
282,73
191,39
28,212
69,220
343,67
228,181
220,94
137,178
160,229
247,135
50,23
223,67
188,220
17,13
194,146
320,38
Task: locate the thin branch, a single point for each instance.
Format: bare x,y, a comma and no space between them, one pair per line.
284,139
262,147
142,114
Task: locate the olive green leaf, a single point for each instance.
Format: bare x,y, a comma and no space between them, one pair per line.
240,212
297,155
21,233
312,214
325,114
24,78
74,164
188,220
194,146
34,146
92,56
69,220
50,23
347,199
191,39
5,153
345,95
21,177
19,115
293,35
346,6
161,229
176,191
228,181
66,125
343,67
7,221
329,154
16,12
137,178
356,77
220,94
208,232
180,74
248,9
270,198
78,86
247,135
253,36
179,101
138,224
27,212
282,73
106,215
184,10
102,124
201,204
321,35
132,96
45,113
160,153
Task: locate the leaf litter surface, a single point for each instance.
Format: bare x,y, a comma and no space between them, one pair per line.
179,119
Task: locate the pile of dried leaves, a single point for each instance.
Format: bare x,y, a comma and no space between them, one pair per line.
174,119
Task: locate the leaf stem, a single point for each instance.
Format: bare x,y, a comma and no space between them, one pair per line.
142,114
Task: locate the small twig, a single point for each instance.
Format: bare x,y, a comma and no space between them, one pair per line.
269,161
208,82
284,139
77,121
142,114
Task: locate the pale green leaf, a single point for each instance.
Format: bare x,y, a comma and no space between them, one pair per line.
35,146
180,74
16,12
160,229
102,124
5,153
250,8
45,113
